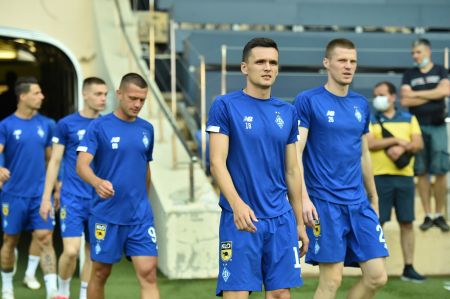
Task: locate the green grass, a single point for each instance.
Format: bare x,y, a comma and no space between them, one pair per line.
123,284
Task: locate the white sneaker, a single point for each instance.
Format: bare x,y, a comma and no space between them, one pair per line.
31,282
52,295
7,294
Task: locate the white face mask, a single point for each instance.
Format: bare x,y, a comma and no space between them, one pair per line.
381,103
423,63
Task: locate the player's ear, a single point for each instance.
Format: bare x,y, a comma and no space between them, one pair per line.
244,68
326,62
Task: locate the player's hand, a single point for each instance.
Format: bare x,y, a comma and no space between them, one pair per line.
104,189
303,237
4,174
244,217
46,209
309,212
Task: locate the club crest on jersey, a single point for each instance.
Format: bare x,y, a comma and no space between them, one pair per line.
5,209
248,120
115,142
100,231
17,134
40,132
225,274
330,115
145,139
358,114
226,251
278,120
80,134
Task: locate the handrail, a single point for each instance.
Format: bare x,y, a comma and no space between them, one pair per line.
162,105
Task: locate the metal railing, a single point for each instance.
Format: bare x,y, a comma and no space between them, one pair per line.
162,105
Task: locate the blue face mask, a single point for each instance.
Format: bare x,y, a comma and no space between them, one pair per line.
424,62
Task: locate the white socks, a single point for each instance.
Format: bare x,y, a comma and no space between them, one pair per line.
7,281
50,283
33,263
83,290
64,286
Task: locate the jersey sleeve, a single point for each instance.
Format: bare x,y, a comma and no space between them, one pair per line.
294,136
3,133
218,118
51,125
415,128
406,78
367,117
89,143
151,143
303,107
60,133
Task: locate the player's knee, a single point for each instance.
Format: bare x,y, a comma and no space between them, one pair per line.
44,239
71,252
376,280
9,242
280,294
331,284
148,275
101,274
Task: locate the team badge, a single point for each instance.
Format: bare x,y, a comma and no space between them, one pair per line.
17,134
225,274
316,232
80,134
145,140
63,213
100,231
5,209
278,120
226,251
358,114
40,132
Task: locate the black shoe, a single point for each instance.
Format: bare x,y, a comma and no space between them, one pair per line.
410,274
441,223
427,223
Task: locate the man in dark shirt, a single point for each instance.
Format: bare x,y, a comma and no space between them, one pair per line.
424,89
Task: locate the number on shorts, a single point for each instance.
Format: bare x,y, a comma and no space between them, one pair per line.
297,258
381,237
152,233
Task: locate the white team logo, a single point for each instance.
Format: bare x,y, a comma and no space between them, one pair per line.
358,114
248,122
80,134
17,134
40,132
330,115
115,142
225,274
145,139
279,121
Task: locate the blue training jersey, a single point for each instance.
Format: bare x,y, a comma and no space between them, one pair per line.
69,131
332,155
121,153
258,131
25,142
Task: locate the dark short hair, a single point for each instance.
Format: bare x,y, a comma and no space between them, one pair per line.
133,78
23,85
258,42
390,86
91,81
338,43
421,42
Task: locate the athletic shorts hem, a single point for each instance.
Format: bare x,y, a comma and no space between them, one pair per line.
219,292
105,261
281,287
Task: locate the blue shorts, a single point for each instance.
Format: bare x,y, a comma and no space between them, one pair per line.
270,256
74,215
109,241
22,214
347,233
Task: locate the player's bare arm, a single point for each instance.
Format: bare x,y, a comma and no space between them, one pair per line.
243,215
369,182
103,187
51,179
294,185
4,172
309,210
